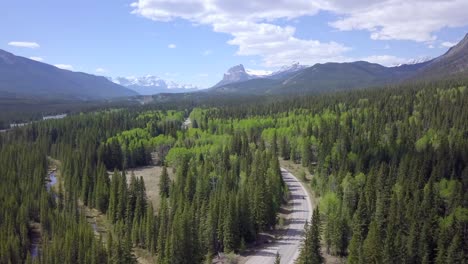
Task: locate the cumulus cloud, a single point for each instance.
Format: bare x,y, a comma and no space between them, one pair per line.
24,44
64,66
415,20
36,58
254,29
210,11
172,46
250,23
277,45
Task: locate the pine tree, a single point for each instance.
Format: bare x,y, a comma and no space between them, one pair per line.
164,183
311,248
455,252
277,258
372,246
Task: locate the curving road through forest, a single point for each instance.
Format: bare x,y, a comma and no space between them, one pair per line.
288,245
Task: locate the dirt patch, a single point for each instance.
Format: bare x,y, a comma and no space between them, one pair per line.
329,259
97,220
144,256
151,176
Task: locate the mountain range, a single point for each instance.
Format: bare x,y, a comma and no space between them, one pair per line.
331,76
22,77
25,78
150,84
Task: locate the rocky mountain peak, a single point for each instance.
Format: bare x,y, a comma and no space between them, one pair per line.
235,74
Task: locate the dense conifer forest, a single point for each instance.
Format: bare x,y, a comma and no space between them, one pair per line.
389,165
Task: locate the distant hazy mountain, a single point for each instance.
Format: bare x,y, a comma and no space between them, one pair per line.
150,84
22,77
344,76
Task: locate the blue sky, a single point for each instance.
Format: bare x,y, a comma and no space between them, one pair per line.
196,41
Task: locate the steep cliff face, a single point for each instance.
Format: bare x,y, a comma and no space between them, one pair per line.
235,74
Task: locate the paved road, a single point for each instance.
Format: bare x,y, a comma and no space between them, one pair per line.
289,245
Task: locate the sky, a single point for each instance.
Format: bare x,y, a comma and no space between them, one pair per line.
196,41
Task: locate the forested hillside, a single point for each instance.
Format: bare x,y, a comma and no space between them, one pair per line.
390,168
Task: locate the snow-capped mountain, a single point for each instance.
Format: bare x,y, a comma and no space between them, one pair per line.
239,74
150,84
285,71
258,73
414,61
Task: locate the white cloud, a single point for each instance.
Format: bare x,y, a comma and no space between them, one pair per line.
447,44
431,46
24,44
209,11
64,66
251,27
36,58
172,46
415,20
101,70
277,45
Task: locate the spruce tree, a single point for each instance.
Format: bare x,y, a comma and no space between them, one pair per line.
277,258
164,183
311,248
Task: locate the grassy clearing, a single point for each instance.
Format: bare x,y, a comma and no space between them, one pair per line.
151,176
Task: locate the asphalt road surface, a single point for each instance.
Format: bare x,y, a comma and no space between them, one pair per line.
289,245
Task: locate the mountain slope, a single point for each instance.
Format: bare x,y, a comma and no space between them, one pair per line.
22,77
352,75
287,71
344,76
453,62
